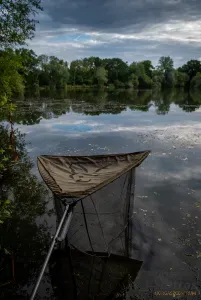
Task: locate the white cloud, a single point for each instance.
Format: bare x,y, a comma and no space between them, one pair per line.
179,31
147,43
185,135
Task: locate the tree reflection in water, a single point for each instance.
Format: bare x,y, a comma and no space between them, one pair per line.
23,234
31,110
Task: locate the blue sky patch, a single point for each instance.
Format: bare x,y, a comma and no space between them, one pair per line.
73,128
71,38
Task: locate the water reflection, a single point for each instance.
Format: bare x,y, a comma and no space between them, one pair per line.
23,235
31,110
167,223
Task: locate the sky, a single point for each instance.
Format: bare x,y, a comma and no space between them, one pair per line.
132,30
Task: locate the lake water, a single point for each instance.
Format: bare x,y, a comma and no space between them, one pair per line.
167,227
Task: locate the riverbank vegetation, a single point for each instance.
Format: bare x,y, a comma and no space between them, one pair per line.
22,197
16,26
34,73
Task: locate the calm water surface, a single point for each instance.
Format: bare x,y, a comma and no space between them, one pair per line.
167,233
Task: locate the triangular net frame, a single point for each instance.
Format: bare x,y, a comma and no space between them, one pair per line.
100,233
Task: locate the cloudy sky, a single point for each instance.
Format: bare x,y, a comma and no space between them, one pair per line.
133,30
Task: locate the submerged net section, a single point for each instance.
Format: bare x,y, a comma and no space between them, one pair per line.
100,240
76,275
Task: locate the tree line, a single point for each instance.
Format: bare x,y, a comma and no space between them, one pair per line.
30,71
22,70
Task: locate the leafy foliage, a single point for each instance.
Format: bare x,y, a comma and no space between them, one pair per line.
19,231
169,78
15,27
148,67
196,82
134,80
5,210
117,69
29,70
191,68
166,63
54,72
15,23
158,79
23,70
11,81
101,76
181,79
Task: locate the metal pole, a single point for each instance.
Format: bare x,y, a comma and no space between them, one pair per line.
65,227
49,254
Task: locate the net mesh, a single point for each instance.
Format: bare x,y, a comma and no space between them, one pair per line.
98,261
100,221
100,241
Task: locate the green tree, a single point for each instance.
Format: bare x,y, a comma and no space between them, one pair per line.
158,78
54,73
97,61
30,70
15,23
11,82
117,69
88,70
76,72
133,68
43,76
148,67
134,80
83,71
169,78
20,232
119,84
181,79
42,61
29,59
139,70
196,82
191,68
144,80
16,26
101,76
166,63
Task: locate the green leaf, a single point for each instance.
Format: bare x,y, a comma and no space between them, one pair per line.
7,202
6,251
